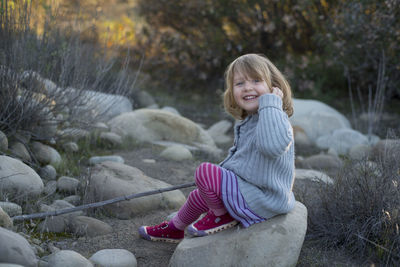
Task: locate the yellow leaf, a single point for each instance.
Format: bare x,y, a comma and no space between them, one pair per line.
324,3
11,5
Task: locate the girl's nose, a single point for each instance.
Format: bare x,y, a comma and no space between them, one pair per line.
247,85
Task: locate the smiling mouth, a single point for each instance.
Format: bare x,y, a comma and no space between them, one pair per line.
249,97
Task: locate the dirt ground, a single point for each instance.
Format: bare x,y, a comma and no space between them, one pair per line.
125,235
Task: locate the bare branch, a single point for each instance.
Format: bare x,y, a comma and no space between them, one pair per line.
101,203
377,245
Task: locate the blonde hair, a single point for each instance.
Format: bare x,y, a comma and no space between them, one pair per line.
255,66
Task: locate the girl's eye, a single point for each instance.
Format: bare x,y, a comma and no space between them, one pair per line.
238,83
256,80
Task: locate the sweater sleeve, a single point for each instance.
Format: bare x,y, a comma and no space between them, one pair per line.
274,133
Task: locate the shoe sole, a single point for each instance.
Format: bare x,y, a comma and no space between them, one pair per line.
143,233
195,232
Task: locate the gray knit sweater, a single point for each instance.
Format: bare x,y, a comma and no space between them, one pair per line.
262,158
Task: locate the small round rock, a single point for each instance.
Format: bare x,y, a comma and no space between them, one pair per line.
114,257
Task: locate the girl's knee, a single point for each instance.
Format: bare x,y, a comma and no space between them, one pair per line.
200,173
203,167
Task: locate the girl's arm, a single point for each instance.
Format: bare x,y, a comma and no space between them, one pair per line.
274,133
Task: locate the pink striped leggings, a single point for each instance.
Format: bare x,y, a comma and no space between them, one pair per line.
206,197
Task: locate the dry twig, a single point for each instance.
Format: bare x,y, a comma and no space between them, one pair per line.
99,204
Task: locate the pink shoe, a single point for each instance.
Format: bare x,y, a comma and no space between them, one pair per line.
161,232
211,224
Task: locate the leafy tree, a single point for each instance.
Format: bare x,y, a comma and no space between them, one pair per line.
364,37
321,44
197,39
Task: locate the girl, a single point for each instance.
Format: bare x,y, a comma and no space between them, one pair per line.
255,181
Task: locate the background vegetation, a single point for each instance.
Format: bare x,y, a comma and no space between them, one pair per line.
335,51
359,212
325,48
31,52
322,46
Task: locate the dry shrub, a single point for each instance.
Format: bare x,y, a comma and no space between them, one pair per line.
360,211
28,60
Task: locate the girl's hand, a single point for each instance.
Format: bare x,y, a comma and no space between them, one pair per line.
277,91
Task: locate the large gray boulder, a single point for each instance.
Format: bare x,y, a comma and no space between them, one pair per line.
150,125
87,226
46,154
19,150
326,162
73,199
54,224
48,172
50,188
5,220
199,149
218,132
60,204
386,149
176,153
74,134
144,99
309,185
70,147
15,249
276,242
300,137
12,209
110,139
99,159
342,140
18,179
312,175
57,224
112,179
317,118
89,104
171,110
67,184
359,152
106,106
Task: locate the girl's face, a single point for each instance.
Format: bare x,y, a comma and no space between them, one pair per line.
246,92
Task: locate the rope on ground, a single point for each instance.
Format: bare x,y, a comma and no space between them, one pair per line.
99,204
